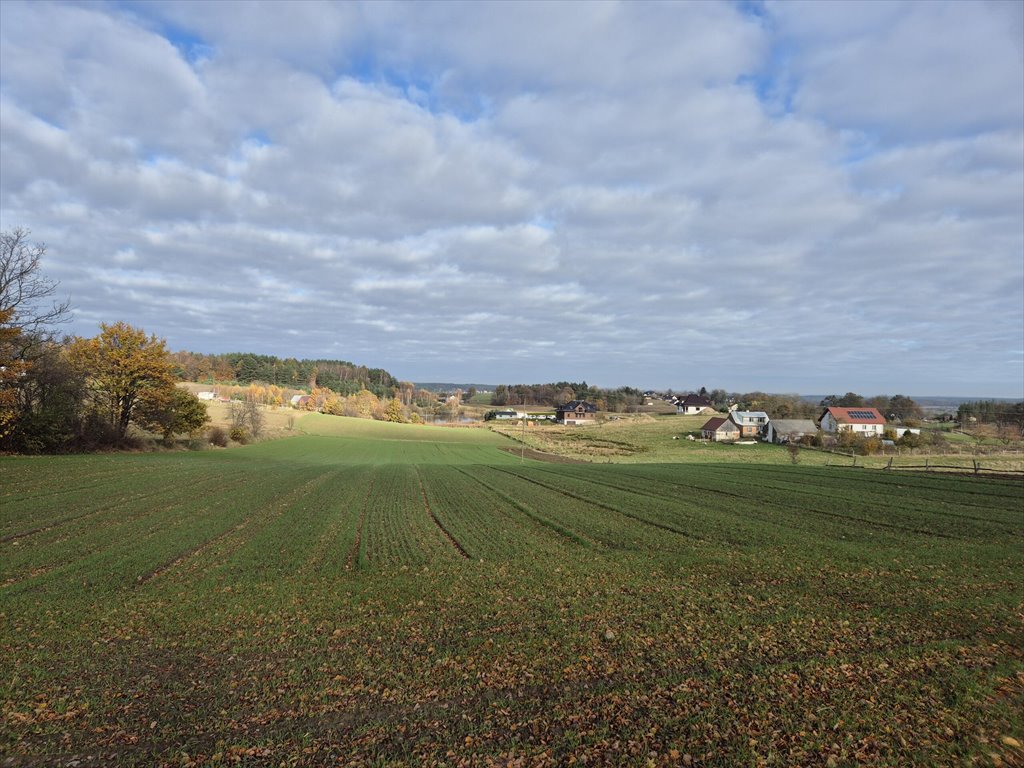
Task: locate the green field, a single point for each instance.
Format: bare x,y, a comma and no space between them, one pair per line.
377,594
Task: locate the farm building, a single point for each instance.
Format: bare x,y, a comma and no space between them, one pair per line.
720,429
864,421
751,423
784,430
901,431
691,404
576,412
207,395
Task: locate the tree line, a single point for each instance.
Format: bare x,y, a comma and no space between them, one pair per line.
558,393
77,393
1006,416
340,376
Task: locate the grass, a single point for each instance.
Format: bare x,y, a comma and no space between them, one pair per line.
373,594
645,439
662,439
278,421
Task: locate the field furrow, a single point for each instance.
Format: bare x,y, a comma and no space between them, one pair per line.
488,525
574,535
343,509
640,513
394,536
441,526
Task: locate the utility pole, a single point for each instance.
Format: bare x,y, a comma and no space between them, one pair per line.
522,442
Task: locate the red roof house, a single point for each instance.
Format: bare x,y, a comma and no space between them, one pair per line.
862,420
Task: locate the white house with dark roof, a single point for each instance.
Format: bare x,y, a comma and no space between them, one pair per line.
692,404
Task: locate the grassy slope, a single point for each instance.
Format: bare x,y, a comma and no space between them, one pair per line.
394,594
648,439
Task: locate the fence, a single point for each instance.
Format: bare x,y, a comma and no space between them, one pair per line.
928,465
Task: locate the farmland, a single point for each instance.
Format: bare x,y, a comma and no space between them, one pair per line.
646,439
378,594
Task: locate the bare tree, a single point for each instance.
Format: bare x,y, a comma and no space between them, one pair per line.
246,415
27,318
24,292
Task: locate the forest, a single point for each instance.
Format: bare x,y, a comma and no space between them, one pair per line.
341,376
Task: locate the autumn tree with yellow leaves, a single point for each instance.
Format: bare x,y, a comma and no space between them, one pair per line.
123,367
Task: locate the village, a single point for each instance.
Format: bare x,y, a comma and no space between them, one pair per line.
738,426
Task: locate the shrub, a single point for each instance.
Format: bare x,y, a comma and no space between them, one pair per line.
240,435
869,446
219,437
910,440
794,451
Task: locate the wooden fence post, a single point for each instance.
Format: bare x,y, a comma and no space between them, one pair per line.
889,465
926,467
976,467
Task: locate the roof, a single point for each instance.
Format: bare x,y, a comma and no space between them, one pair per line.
788,426
860,415
750,414
573,405
695,400
713,425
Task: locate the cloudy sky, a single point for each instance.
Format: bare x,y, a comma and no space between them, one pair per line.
796,197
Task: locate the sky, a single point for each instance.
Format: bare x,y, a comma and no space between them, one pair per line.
808,197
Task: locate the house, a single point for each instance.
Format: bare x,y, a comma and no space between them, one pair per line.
504,415
784,430
720,429
867,422
751,423
207,395
577,412
692,404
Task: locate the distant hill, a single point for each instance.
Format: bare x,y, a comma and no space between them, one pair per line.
436,386
936,403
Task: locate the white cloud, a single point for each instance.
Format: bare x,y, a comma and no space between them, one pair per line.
907,70
820,197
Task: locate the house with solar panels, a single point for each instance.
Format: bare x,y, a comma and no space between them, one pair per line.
866,422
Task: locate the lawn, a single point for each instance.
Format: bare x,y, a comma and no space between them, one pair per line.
372,594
